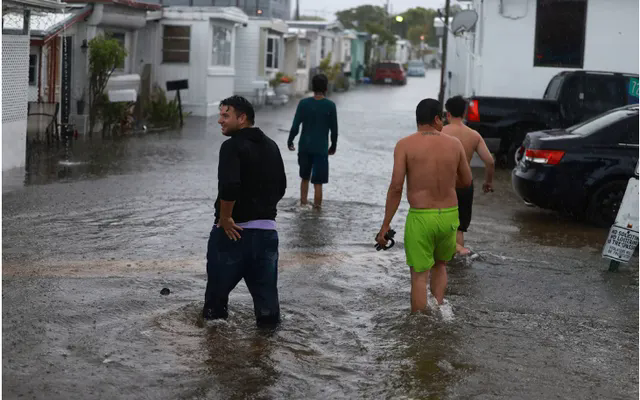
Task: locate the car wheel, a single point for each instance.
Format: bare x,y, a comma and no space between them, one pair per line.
511,154
507,158
518,155
605,203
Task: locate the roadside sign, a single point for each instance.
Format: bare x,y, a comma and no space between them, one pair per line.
623,236
621,244
182,84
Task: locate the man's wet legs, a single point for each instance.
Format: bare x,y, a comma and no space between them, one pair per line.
261,276
460,249
304,191
224,271
439,280
317,195
419,290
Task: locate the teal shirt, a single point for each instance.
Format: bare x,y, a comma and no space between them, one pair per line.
317,117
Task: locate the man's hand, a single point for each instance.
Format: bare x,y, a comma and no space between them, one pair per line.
332,151
230,228
380,237
487,187
292,147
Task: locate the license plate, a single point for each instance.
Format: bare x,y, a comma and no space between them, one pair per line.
387,80
621,244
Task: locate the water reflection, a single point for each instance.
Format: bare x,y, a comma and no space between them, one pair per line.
549,228
95,157
240,362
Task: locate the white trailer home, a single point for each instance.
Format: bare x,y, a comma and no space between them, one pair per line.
198,44
259,56
519,45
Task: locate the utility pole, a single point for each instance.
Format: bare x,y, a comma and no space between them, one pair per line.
444,52
297,16
388,11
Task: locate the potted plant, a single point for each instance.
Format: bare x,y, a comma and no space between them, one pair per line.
281,84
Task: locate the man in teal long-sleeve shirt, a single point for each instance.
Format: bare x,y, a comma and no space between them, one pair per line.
318,116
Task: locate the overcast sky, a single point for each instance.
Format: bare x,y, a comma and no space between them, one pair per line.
327,8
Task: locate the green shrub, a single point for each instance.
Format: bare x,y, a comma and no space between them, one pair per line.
162,112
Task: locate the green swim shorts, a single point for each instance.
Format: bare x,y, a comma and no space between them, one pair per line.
430,235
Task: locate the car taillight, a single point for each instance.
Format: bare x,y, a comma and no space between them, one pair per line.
472,112
551,157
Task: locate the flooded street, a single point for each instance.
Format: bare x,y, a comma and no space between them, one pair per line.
89,243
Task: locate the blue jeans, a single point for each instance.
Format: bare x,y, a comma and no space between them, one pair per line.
255,258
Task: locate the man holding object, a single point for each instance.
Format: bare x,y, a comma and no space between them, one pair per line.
434,164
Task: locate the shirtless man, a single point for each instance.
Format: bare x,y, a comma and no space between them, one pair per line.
434,164
472,143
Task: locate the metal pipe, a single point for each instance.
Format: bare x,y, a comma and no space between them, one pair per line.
444,52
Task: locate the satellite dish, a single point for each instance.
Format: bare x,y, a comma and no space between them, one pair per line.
464,21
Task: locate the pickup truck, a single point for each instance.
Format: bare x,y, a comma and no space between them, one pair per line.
570,97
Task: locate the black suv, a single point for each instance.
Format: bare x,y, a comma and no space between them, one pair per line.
582,170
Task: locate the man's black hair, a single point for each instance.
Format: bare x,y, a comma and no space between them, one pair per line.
456,106
427,111
319,83
240,106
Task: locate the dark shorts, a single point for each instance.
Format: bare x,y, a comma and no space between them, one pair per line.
465,204
255,258
314,167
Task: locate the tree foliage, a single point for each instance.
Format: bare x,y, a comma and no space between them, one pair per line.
417,21
385,36
370,19
105,55
356,18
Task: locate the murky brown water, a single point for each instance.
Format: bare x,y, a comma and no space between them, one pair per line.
89,244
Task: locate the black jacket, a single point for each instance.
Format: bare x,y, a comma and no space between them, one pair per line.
251,173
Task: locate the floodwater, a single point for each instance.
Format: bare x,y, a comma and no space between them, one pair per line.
92,235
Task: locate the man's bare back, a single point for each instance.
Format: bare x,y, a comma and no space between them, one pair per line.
435,163
472,142
470,138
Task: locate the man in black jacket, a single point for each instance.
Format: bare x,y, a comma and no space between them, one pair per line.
244,242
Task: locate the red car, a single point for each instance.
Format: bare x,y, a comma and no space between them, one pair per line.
390,72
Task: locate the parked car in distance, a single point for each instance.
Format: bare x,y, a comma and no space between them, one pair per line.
582,170
571,97
416,68
390,72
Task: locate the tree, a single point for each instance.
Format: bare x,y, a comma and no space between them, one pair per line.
385,36
419,22
105,55
356,18
415,33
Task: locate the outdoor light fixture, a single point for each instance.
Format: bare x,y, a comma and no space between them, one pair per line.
259,12
84,46
399,18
